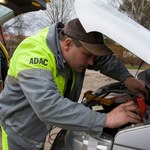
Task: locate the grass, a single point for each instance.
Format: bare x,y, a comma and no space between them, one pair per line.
135,67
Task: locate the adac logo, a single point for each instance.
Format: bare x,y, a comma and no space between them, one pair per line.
38,61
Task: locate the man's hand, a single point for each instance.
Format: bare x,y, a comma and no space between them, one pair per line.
125,113
135,85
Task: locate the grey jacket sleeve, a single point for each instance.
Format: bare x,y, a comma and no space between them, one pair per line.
53,109
111,66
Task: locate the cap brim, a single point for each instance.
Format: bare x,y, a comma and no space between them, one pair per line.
97,49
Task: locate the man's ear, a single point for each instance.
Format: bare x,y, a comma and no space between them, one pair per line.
67,43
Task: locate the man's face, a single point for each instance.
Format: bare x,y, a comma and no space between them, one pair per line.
78,58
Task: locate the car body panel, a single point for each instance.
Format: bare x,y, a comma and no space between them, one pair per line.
12,8
23,6
134,137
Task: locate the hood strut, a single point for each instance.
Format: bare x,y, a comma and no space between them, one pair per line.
139,68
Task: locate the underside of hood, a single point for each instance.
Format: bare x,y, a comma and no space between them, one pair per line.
102,17
12,8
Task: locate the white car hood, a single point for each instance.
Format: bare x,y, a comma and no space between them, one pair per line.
97,15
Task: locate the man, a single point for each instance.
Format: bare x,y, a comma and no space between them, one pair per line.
44,83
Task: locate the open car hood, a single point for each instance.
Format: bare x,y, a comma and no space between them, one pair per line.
12,8
97,15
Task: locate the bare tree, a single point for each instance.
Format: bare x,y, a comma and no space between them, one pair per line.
59,10
14,26
15,30
139,10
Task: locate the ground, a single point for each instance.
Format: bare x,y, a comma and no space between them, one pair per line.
93,80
